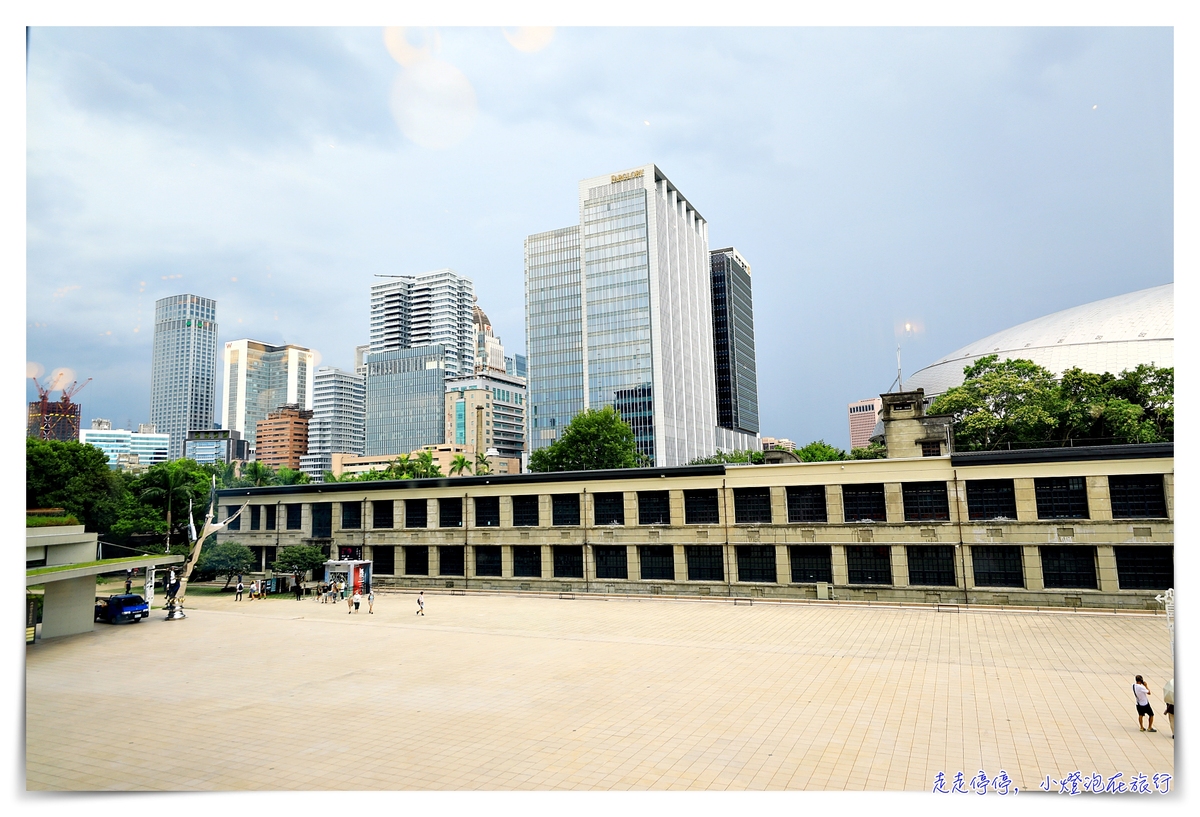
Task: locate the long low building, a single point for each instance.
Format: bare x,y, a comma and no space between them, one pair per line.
1081,527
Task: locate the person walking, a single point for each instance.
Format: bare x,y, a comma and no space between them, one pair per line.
357,599
349,604
1141,694
371,610
237,596
342,588
1169,700
299,587
420,602
128,581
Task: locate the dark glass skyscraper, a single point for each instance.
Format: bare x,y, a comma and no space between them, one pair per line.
733,342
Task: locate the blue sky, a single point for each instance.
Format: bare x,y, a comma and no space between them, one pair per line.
963,180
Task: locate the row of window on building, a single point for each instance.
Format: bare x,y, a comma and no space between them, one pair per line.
1067,567
1131,497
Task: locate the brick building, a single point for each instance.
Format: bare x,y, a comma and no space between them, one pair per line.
282,438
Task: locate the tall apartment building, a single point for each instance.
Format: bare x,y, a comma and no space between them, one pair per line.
183,371
123,447
339,421
283,437
619,312
260,378
487,411
733,343
863,415
422,310
406,396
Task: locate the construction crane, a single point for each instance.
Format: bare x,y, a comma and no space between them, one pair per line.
55,420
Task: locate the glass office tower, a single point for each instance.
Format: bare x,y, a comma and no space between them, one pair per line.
260,378
644,298
183,372
733,342
553,334
406,396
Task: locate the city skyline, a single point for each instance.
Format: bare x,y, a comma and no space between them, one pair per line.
957,180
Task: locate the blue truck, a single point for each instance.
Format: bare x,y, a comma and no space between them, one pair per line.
126,607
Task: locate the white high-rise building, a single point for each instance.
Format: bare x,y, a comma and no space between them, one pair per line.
259,378
423,310
638,289
118,444
183,372
338,424
360,359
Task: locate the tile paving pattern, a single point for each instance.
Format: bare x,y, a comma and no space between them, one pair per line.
494,692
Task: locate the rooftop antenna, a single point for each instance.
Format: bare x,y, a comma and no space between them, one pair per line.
899,381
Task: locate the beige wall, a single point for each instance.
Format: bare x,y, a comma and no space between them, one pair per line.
1027,531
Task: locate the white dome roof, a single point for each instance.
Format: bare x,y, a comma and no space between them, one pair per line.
1104,336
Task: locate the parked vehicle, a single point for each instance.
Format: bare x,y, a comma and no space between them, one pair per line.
122,608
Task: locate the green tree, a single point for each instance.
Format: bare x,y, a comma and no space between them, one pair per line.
595,439
298,559
459,465
735,457
226,559
400,468
424,466
135,516
225,472
170,485
873,451
820,451
1001,402
290,476
73,476
1016,401
255,475
1152,388
482,466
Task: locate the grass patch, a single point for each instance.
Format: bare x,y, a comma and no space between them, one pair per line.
49,521
115,563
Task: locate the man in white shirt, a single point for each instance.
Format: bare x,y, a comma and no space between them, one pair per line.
1141,694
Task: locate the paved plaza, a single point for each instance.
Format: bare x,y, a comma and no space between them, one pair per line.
502,692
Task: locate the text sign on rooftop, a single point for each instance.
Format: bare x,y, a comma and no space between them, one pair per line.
633,174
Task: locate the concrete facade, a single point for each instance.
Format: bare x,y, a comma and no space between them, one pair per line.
727,556
70,595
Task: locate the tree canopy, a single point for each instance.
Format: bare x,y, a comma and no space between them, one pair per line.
120,506
226,559
298,559
820,451
595,439
73,476
733,457
1007,402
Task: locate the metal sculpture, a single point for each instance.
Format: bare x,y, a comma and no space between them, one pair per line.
178,587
